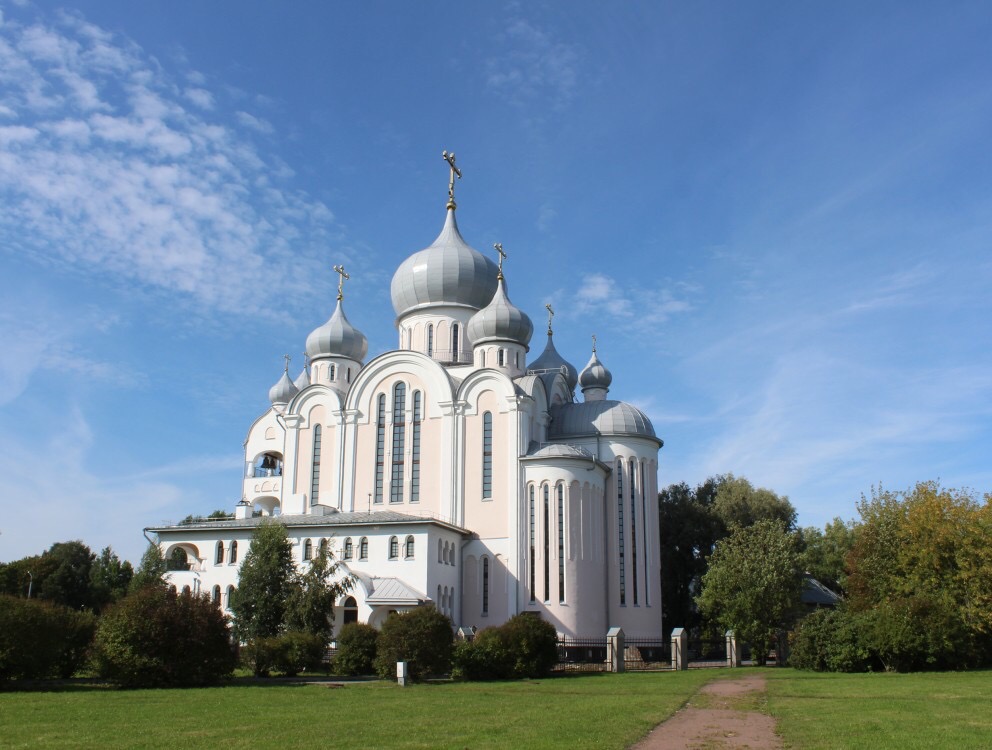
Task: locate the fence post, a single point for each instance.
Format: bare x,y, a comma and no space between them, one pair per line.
733,650
402,673
616,646
680,649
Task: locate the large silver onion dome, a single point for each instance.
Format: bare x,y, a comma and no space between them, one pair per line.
598,418
283,391
595,374
337,338
449,272
500,321
550,359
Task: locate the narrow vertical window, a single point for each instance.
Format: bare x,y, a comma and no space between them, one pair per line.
394,548
487,455
233,557
215,597
545,527
644,517
454,343
415,453
230,596
307,550
561,543
219,554
363,548
323,547
430,339
408,548
349,548
485,585
620,548
315,470
533,560
633,530
399,436
380,446
499,357
333,372
440,552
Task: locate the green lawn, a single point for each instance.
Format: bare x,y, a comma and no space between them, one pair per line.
927,710
589,711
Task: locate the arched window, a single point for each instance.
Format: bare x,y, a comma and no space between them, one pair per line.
323,547
485,586
349,374
644,517
545,527
349,548
350,610
380,446
233,555
215,596
178,560
430,339
219,554
437,602
363,548
445,552
487,456
561,543
533,553
499,357
620,547
186,589
516,359
454,342
315,468
399,436
230,596
482,357
415,452
633,531
394,548
333,371
408,548
444,601
440,552
308,550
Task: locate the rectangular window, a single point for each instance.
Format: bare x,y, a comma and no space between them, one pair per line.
533,561
547,544
380,446
315,471
561,543
487,455
644,516
620,549
485,585
399,436
415,457
633,531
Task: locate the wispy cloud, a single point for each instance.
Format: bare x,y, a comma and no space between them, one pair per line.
532,67
110,166
601,295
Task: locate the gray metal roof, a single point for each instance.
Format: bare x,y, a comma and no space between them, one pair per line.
302,380
337,338
599,418
550,359
595,374
500,320
375,518
449,272
283,391
393,591
561,450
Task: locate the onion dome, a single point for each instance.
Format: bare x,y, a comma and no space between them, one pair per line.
550,359
595,375
283,391
500,320
449,272
302,380
599,418
337,338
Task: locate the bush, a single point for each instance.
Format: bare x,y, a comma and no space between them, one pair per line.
830,641
421,637
356,649
40,640
523,646
298,652
155,637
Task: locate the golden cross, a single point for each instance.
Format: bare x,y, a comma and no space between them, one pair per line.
594,343
498,246
287,358
455,171
343,276
551,314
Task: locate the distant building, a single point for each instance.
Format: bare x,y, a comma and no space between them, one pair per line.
451,471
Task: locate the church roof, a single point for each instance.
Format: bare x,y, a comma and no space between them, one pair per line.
393,591
357,518
337,338
599,418
550,360
500,320
448,272
283,390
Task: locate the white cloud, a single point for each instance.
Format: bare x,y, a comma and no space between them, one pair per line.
255,123
200,97
532,67
602,295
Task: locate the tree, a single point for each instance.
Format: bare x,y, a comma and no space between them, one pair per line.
825,552
109,578
311,597
151,569
754,582
261,599
738,503
39,639
421,637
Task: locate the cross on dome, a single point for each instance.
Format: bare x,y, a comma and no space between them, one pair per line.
288,360
551,314
498,246
594,343
342,276
455,171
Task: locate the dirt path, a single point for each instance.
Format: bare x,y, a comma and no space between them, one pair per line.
724,714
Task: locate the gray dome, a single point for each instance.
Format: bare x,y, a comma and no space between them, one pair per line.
595,374
598,418
550,359
500,321
302,380
283,391
337,338
449,272
561,450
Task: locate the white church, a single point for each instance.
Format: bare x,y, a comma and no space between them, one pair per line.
452,471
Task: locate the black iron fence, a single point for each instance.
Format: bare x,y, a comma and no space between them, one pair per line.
643,654
582,655
707,652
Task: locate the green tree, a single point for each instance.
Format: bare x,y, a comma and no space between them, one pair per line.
754,582
312,593
39,639
738,503
421,637
261,600
110,578
151,569
356,649
825,552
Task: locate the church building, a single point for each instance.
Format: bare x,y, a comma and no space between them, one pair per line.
455,471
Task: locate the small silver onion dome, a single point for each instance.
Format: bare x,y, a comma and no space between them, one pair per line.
283,391
449,272
595,374
337,338
500,320
550,359
302,380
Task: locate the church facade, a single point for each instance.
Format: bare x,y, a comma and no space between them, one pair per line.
452,471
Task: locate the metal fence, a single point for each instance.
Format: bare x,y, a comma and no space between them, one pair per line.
644,654
707,652
582,655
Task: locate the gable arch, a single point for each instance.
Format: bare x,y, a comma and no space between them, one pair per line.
481,381
368,383
316,395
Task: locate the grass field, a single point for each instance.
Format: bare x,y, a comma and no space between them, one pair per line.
589,711
936,710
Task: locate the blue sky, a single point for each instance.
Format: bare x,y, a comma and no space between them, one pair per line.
774,216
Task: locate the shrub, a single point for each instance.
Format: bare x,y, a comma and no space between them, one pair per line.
40,640
523,646
830,641
484,658
421,637
156,637
356,649
298,652
260,655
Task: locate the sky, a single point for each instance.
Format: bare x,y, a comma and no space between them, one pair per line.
775,218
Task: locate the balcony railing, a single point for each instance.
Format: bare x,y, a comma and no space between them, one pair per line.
255,472
448,357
